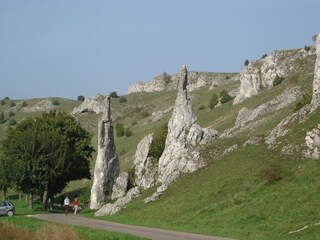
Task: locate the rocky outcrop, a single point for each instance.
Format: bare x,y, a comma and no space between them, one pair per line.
120,186
261,74
106,168
42,106
94,104
145,171
196,80
113,208
316,82
184,134
313,143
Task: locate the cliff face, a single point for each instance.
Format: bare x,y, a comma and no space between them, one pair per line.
261,74
196,80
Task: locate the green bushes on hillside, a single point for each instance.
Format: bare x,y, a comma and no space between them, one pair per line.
225,97
2,120
158,143
277,80
213,101
306,99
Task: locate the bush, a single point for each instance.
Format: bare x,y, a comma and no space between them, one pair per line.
273,172
11,114
2,102
264,56
277,80
306,99
166,78
306,48
114,95
55,103
225,97
119,129
80,98
213,101
134,122
122,99
12,104
246,62
128,132
158,143
24,104
12,122
201,107
2,120
131,177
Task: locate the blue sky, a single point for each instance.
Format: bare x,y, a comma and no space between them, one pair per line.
68,48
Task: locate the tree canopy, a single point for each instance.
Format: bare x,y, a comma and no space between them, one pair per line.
46,153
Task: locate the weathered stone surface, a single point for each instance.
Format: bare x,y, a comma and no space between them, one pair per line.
107,164
260,74
94,104
180,154
108,209
196,80
145,171
42,106
155,196
120,186
316,82
313,143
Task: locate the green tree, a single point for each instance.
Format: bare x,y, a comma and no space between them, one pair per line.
12,104
2,102
246,62
12,122
114,95
11,114
119,129
225,97
80,98
277,80
159,141
47,152
213,101
166,78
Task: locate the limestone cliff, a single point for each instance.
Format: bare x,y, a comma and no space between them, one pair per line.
106,168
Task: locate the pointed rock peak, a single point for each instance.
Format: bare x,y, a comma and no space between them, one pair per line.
184,76
107,113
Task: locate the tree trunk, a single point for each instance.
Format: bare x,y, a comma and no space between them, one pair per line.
20,196
45,199
31,201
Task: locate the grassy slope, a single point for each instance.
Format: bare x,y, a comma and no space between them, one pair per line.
230,197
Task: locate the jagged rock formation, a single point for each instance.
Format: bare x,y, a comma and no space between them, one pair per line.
313,143
145,170
94,104
42,106
247,117
106,168
260,74
120,186
180,154
316,82
113,208
300,116
196,80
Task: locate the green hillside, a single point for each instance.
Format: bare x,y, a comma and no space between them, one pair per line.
252,192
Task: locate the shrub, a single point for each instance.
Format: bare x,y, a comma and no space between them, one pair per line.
246,62
134,122
114,95
264,56
201,107
145,114
273,172
213,101
131,178
122,99
12,104
166,78
24,104
80,98
306,99
2,102
12,122
306,48
55,103
277,80
11,114
128,132
225,97
158,143
119,129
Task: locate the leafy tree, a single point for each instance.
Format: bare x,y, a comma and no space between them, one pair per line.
12,104
277,80
5,176
55,102
114,95
264,56
11,114
166,78
213,101
6,98
225,97
159,141
246,62
119,129
47,152
24,104
306,99
80,98
2,120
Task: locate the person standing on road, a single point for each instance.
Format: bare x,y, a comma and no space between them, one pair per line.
66,204
75,204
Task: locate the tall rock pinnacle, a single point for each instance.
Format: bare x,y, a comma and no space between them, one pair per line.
316,82
107,164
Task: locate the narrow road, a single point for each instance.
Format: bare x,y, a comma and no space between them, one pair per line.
146,232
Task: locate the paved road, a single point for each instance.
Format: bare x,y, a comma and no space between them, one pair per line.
146,232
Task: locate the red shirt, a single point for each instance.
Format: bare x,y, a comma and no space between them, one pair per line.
75,202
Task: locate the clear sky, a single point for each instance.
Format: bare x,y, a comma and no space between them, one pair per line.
68,48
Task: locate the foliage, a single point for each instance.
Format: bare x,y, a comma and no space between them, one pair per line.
225,97
11,114
277,80
47,152
24,104
122,99
246,62
2,119
306,48
201,107
273,172
128,132
114,95
81,98
2,102
264,56
12,104
166,78
55,103
131,177
6,98
119,129
306,99
314,38
158,143
213,101
12,122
